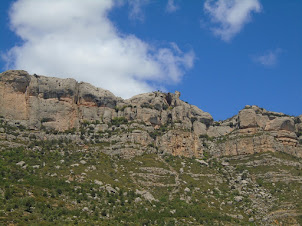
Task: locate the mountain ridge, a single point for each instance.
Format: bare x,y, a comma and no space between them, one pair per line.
71,153
162,120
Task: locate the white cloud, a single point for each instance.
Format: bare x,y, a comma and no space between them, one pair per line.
75,38
270,58
230,16
171,6
136,9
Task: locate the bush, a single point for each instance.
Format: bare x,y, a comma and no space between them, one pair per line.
206,136
71,130
151,145
159,132
299,133
59,191
22,128
118,121
46,120
297,120
206,155
146,105
117,109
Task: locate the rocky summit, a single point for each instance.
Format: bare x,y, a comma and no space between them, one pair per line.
71,153
154,120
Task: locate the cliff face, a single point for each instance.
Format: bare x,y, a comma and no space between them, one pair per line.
256,130
150,121
52,102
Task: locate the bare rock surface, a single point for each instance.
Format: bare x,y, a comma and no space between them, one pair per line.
149,122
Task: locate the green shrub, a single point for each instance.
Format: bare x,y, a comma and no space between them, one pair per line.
46,120
159,132
71,130
119,121
299,133
206,155
297,120
206,136
122,108
151,145
147,105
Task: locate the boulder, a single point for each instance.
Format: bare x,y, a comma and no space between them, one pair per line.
202,162
93,96
107,116
238,198
201,116
187,189
262,120
21,163
199,128
146,195
19,80
247,118
110,189
216,131
83,162
281,123
138,200
97,182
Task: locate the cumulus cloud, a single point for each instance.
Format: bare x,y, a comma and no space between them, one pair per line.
270,58
230,16
171,6
75,38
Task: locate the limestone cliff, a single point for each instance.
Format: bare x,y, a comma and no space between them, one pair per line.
147,122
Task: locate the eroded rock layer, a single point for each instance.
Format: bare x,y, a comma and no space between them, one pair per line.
147,122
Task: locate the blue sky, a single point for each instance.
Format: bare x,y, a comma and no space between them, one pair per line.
221,55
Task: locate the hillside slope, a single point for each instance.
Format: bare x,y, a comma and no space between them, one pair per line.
73,153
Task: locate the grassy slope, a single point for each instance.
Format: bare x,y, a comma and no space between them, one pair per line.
54,187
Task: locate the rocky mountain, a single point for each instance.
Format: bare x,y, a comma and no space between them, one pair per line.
71,153
159,120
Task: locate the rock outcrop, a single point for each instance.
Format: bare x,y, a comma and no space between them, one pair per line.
256,130
64,103
61,104
147,122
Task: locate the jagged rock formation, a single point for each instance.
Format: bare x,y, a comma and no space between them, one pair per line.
61,144
152,121
63,104
57,103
